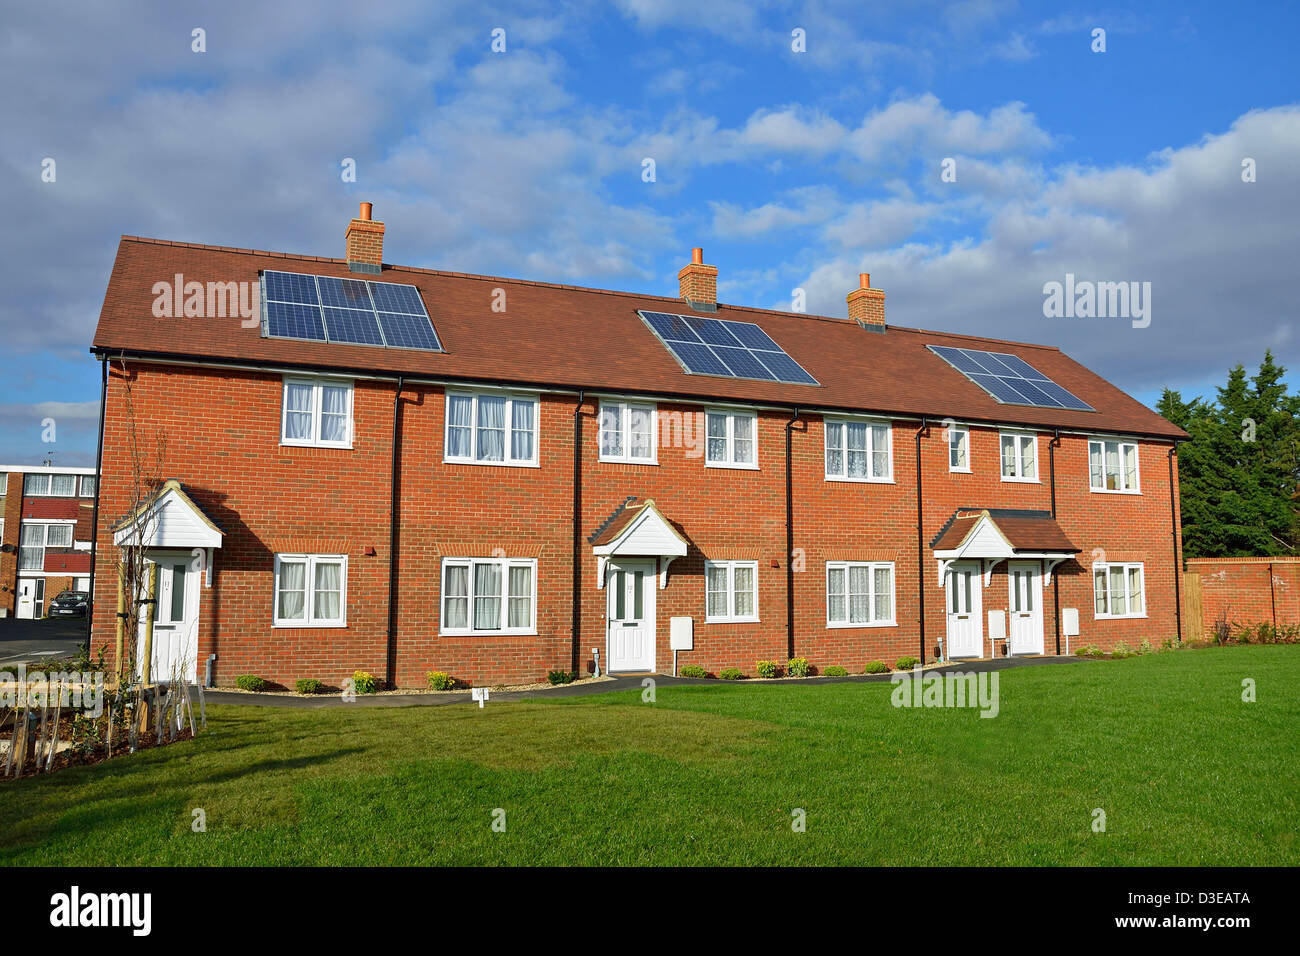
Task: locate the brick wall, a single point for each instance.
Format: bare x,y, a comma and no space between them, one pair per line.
222,432
11,505
1247,591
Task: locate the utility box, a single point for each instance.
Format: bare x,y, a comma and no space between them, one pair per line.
1070,621
681,634
997,625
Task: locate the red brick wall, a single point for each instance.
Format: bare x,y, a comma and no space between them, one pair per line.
1247,591
11,505
223,443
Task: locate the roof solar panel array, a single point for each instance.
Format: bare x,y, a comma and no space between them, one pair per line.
1010,379
346,311
706,346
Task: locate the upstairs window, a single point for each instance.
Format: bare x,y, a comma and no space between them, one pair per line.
1019,457
487,428
858,451
627,432
316,413
47,486
958,448
731,441
34,539
1113,466
1119,590
89,483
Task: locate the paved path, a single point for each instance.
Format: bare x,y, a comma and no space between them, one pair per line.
23,641
596,687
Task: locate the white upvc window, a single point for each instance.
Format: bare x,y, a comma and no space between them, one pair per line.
316,413
34,539
731,591
1119,590
731,439
89,484
491,428
859,593
628,432
489,596
858,450
4,483
1019,456
311,590
1113,467
958,448
47,486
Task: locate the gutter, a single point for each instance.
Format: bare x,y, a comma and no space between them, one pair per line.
390,676
94,520
1174,533
575,601
924,430
789,536
1056,577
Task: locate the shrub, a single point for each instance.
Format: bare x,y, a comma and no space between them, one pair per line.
440,680
767,669
308,685
731,673
561,677
905,663
876,667
250,682
364,682
797,667
1222,630
1145,647
1167,644
1121,651
1081,651
835,671
691,670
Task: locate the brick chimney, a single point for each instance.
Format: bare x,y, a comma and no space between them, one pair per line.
365,243
699,283
867,305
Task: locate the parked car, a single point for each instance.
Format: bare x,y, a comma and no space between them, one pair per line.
70,604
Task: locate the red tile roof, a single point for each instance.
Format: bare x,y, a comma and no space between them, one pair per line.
1029,531
571,337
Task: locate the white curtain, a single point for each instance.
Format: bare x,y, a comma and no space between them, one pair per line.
1135,590
744,585
1026,458
834,449
460,423
835,595
717,591
1112,466
1008,456
329,580
491,428
297,416
884,595
879,451
521,597
293,588
60,536
717,426
640,433
521,430
857,450
1130,468
1118,597
63,485
611,431
31,556
334,414
1097,475
487,597
859,595
1099,591
743,436
455,602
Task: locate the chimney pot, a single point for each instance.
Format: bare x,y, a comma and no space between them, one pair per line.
697,255
864,280
365,210
698,283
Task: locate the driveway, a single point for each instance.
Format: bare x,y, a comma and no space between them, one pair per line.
22,642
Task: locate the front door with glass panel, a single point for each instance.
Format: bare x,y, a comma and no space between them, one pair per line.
965,629
631,616
28,600
1025,607
176,618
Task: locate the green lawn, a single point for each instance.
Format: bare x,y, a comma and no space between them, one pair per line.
1186,772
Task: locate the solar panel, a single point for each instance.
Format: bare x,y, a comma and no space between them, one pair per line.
707,346
346,311
1010,379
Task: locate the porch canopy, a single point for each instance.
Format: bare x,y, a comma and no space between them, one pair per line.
637,529
169,519
992,535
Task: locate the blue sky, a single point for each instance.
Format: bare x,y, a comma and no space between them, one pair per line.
794,170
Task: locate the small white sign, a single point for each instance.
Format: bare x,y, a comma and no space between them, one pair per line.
479,694
1070,621
681,635
997,625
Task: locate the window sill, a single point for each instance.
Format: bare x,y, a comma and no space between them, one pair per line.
1022,481
502,632
729,467
299,625
628,461
314,444
959,471
1118,617
732,620
840,627
1114,491
861,481
491,464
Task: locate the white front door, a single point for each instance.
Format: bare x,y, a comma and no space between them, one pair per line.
1025,607
965,608
176,622
27,597
630,636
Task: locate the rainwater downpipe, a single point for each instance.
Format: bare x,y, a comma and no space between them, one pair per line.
924,430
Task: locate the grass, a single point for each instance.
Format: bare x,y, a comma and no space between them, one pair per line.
1186,772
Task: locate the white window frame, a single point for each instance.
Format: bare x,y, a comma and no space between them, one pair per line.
1120,446
964,432
623,422
507,460
81,486
730,415
49,484
872,567
309,593
1019,436
505,564
829,420
4,483
45,540
731,617
1106,568
316,383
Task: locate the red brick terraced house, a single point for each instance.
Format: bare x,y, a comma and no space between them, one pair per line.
46,522
403,470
